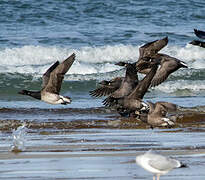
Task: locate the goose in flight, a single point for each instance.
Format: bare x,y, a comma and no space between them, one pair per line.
168,64
51,85
127,85
131,102
200,34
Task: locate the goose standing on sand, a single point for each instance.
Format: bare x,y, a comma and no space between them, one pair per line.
157,116
51,85
169,106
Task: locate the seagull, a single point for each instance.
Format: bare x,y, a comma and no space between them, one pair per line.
51,85
157,164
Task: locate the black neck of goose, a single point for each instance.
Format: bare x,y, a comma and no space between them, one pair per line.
131,72
34,94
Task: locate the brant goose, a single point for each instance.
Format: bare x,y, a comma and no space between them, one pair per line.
127,86
132,102
198,43
169,106
157,163
199,34
168,64
157,116
52,81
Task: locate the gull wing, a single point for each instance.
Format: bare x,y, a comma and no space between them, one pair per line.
163,163
57,75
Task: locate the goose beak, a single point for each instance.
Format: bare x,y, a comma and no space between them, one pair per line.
22,92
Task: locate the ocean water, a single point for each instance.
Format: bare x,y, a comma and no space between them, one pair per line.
84,140
35,34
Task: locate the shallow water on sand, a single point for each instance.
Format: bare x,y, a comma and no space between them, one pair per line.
100,154
99,145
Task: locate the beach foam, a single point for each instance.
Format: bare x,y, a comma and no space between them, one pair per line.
36,59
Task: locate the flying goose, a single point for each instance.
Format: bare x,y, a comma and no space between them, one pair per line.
107,87
128,84
199,34
198,43
51,85
168,64
134,100
128,104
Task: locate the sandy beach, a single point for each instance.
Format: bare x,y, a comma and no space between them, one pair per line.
99,145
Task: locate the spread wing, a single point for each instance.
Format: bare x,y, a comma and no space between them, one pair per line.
200,34
108,88
57,75
46,75
103,91
151,48
168,66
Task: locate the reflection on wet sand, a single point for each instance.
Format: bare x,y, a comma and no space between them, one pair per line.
96,144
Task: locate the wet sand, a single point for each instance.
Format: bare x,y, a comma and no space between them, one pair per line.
97,144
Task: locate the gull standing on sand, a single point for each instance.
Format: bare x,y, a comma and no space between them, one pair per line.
52,80
157,164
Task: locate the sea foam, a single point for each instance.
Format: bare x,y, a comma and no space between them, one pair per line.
89,60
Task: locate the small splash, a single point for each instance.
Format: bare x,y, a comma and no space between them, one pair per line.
18,136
